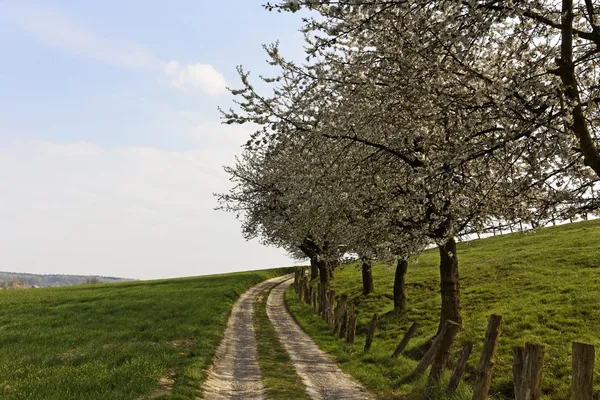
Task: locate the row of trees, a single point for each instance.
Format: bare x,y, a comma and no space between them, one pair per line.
413,122
13,284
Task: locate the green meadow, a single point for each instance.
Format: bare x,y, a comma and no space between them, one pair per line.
545,284
138,340
156,339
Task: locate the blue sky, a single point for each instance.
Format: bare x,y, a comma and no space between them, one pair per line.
110,140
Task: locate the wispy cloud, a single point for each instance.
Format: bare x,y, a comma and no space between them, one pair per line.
57,29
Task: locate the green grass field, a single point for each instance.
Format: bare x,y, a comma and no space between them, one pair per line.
545,285
122,341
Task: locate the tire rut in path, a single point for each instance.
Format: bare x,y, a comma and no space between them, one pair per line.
324,380
235,373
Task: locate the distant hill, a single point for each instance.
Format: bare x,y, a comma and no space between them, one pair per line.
54,280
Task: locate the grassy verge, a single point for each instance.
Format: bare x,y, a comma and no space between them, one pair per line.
545,284
279,375
119,341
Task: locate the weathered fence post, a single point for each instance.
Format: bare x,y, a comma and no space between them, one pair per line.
325,295
319,298
531,383
459,368
309,291
325,303
370,333
306,289
483,379
582,387
330,308
296,279
314,300
404,342
441,356
429,355
517,367
344,323
351,326
339,312
322,299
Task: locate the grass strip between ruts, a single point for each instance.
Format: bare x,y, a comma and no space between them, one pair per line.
279,375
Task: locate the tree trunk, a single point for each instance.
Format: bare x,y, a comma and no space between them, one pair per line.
367,277
579,124
323,271
314,269
330,267
449,284
400,286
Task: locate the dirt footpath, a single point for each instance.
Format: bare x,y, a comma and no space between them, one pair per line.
235,373
322,377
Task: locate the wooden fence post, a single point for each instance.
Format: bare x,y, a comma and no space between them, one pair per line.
583,371
441,356
301,294
351,326
459,368
322,298
307,287
319,298
404,342
370,333
344,323
339,312
531,383
483,379
325,301
296,279
330,308
427,358
517,367
314,300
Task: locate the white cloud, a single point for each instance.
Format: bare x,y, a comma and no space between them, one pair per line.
134,212
56,29
196,76
59,30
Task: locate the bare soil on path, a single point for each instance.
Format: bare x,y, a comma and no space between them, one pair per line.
324,380
235,374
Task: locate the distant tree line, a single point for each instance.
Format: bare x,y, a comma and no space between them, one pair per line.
22,280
